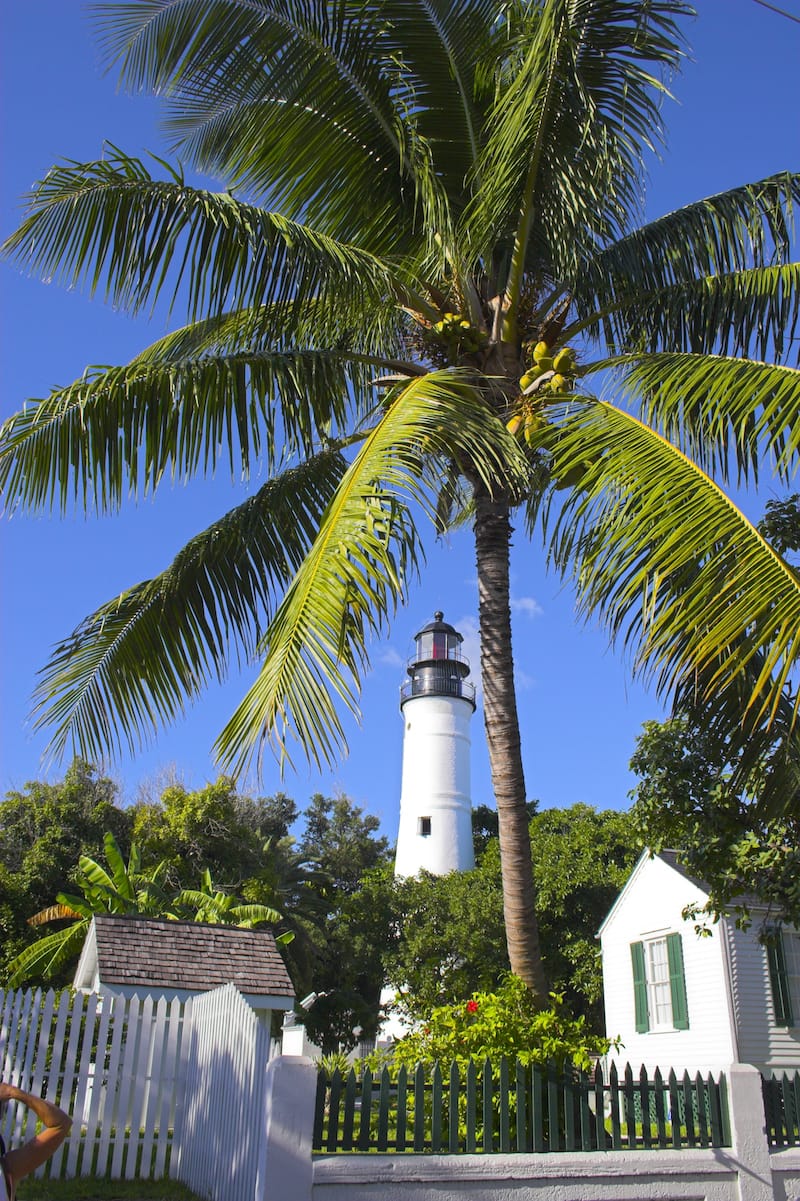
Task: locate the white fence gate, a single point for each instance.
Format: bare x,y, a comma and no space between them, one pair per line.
220,1137
116,1065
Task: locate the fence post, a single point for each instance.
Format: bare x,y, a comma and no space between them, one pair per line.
749,1133
285,1167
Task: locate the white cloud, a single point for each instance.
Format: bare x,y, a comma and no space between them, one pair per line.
523,680
389,657
527,605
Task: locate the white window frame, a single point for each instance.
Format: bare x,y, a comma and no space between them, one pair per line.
659,992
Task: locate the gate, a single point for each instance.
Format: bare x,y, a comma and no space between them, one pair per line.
222,1123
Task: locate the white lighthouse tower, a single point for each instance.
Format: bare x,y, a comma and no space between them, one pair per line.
437,702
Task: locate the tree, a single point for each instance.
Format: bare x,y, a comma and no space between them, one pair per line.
725,837
213,828
44,828
448,936
418,328
340,841
125,888
350,885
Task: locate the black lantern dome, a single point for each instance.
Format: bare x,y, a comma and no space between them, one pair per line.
438,667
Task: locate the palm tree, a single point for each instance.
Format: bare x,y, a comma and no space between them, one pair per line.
427,265
130,889
210,904
124,888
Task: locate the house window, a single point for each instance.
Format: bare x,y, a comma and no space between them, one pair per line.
783,957
659,984
424,827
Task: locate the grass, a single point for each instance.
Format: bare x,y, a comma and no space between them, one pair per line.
100,1188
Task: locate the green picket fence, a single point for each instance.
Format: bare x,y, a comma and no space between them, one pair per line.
782,1109
511,1107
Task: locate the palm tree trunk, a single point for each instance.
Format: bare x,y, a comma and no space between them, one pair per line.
492,549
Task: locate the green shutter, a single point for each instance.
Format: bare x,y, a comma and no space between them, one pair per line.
781,999
677,982
639,988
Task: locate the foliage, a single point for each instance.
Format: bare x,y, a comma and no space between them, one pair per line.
337,1061
448,937
780,524
581,859
726,838
222,856
342,842
214,828
124,889
210,904
508,1022
44,829
494,333
447,932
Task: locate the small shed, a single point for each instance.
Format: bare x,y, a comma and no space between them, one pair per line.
683,1000
140,956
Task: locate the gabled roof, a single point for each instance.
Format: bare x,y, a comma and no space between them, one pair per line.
670,858
145,955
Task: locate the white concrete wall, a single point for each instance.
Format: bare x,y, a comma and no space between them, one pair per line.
650,906
744,1172
435,784
761,1042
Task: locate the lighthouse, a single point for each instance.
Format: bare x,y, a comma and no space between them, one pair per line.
437,701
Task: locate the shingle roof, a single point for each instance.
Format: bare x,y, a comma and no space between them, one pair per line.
135,951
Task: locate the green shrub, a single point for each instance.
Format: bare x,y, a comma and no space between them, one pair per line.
508,1022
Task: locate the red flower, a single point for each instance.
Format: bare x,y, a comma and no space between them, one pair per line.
472,1006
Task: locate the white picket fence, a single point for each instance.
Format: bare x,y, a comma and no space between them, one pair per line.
116,1065
155,1089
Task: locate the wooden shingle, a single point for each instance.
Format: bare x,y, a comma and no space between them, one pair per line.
150,956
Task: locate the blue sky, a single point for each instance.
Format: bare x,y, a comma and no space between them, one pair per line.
736,121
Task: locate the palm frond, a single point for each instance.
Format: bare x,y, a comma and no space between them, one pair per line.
56,913
288,98
112,225
449,50
119,873
721,411
48,954
748,313
255,915
179,413
677,574
744,227
94,874
578,104
135,662
359,567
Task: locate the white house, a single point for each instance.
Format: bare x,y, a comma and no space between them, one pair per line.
689,1001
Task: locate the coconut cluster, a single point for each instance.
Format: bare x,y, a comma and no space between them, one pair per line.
548,373
562,364
457,333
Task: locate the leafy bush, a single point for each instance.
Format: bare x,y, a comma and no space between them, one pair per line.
508,1022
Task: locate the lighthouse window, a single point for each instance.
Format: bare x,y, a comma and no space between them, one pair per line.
424,827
